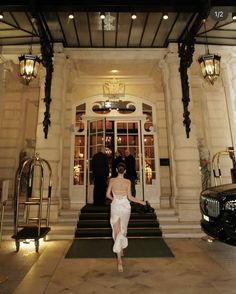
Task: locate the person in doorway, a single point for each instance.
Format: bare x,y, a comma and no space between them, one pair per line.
130,170
117,160
100,170
119,191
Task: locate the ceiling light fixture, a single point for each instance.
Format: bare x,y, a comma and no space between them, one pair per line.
165,16
102,15
29,63
1,15
133,16
210,63
234,15
114,71
71,16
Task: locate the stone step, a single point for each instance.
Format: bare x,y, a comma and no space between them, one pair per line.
66,225
106,223
179,225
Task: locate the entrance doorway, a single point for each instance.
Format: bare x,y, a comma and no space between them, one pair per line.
116,130
115,135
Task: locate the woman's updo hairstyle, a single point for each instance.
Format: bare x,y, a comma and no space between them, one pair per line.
121,167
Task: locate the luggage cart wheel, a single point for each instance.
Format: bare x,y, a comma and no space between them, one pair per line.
17,245
36,241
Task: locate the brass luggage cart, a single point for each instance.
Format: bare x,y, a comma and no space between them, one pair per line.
216,168
3,201
34,224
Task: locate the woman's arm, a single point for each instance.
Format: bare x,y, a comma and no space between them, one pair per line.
109,194
133,199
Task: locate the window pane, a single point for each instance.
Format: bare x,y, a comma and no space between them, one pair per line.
148,140
147,111
149,152
133,140
100,139
78,176
122,140
93,150
93,126
149,176
100,126
133,128
79,150
121,127
109,125
93,140
134,151
80,110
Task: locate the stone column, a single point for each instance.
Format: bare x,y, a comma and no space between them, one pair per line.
5,66
50,149
228,70
186,181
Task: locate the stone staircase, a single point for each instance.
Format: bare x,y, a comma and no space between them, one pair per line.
94,222
64,228
172,228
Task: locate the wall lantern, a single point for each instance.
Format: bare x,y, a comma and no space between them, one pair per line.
29,63
29,66
210,64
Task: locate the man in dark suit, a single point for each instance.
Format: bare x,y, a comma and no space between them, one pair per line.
116,161
130,170
100,169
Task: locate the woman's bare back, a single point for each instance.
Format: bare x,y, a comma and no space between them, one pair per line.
120,187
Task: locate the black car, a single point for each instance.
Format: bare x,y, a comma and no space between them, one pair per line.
218,208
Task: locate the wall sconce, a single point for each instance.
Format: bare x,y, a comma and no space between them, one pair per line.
102,15
29,64
210,63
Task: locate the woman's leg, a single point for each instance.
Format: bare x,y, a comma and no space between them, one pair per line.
116,230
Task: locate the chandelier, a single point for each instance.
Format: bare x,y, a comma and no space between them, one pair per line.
29,63
210,63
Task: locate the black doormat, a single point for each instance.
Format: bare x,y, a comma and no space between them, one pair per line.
102,248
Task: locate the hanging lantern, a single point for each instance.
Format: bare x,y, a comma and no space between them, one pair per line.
29,65
210,66
210,63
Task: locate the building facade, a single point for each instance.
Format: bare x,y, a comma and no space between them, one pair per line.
120,98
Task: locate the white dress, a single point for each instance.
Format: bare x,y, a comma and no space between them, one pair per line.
120,210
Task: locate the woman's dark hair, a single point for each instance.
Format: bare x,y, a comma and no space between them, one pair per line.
121,167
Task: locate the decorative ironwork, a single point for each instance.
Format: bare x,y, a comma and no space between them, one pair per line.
123,107
47,55
186,50
186,54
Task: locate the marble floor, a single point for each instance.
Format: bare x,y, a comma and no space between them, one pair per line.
198,267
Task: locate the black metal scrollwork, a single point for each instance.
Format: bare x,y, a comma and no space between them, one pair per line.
186,50
47,55
185,53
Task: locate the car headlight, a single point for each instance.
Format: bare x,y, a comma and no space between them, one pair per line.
230,205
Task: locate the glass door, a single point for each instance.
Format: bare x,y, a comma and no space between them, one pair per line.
96,139
127,136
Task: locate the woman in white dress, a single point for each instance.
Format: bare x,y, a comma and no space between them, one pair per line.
119,191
